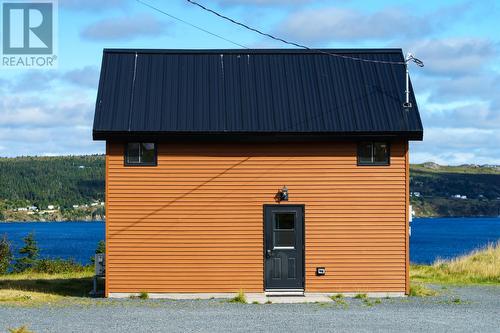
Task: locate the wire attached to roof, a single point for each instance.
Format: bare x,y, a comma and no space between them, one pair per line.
279,39
191,24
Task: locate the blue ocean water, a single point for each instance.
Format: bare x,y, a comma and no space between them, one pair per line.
445,238
431,238
68,240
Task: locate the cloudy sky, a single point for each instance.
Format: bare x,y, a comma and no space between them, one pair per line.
50,112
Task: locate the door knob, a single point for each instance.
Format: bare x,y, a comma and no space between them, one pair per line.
269,253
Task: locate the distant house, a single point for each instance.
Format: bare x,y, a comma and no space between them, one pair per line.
260,170
22,209
50,207
75,206
459,196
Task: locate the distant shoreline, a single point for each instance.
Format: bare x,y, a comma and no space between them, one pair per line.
52,221
415,217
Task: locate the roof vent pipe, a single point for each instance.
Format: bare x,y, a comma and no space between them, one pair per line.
410,57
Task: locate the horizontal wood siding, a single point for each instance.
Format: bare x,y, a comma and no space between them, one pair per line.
194,222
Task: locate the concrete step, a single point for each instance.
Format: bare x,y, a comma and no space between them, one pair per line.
284,293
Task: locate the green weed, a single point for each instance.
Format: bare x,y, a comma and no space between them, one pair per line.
239,298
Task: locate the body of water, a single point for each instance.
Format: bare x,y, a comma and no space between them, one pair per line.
446,238
68,240
431,238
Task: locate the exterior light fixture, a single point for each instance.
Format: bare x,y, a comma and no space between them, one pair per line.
282,194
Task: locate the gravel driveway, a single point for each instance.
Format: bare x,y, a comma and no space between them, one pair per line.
464,309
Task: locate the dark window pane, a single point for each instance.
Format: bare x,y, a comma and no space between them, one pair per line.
381,153
133,153
148,153
365,153
285,221
284,238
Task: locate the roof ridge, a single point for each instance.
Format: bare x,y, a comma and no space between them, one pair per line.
255,51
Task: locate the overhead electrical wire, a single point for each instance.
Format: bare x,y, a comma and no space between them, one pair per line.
191,24
279,39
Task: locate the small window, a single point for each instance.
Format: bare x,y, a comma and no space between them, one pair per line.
373,153
140,153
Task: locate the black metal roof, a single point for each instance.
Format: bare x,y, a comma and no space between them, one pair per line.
263,93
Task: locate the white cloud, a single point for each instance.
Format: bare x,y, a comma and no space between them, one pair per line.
32,112
63,140
454,57
55,122
38,81
457,146
341,24
459,100
87,76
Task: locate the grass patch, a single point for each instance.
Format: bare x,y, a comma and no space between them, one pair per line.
339,300
479,267
43,286
419,290
454,301
19,297
361,296
239,298
143,295
367,302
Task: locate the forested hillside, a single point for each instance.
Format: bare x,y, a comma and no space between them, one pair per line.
59,181
467,190
69,181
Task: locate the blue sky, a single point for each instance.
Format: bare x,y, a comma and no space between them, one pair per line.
50,112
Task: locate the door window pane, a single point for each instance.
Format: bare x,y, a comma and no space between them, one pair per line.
284,238
285,221
284,230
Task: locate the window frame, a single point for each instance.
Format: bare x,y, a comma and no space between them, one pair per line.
292,231
373,163
140,164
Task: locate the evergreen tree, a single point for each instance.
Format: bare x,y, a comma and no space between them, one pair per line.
101,248
30,252
5,254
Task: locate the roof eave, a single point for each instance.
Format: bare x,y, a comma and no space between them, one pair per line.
254,136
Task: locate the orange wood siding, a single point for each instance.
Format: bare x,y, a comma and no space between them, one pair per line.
194,223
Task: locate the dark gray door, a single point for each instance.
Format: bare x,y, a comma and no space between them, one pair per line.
284,246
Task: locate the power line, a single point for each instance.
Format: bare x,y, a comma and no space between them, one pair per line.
191,24
279,39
